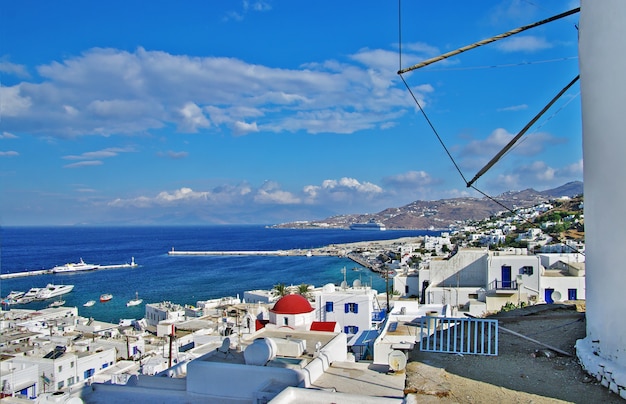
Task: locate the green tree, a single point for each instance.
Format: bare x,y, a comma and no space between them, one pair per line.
280,290
303,289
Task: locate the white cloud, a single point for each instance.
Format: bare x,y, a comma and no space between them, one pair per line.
347,190
572,170
519,107
528,145
7,135
110,91
193,118
89,163
100,154
174,155
14,69
537,175
13,103
9,153
523,44
410,180
185,196
242,128
270,193
246,7
180,194
421,48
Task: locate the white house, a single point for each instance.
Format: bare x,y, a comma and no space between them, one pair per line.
512,277
157,312
56,370
564,281
353,308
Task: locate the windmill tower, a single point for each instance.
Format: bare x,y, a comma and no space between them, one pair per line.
602,59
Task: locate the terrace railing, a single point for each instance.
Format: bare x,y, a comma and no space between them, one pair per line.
459,335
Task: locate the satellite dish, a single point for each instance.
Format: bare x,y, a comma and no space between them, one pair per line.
397,360
556,296
329,288
356,283
344,285
261,351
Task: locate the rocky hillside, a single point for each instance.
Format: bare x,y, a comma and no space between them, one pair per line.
444,212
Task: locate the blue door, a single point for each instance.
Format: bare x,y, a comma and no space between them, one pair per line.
506,277
571,294
548,296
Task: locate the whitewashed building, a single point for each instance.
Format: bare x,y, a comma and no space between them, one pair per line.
157,312
56,370
353,308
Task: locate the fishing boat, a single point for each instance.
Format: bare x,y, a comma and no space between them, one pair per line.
134,302
57,303
106,297
89,303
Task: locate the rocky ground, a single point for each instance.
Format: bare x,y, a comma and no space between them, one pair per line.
523,372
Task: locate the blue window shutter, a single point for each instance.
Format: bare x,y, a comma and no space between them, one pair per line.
356,329
347,307
356,307
346,329
329,307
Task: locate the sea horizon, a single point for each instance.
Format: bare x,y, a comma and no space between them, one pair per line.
183,280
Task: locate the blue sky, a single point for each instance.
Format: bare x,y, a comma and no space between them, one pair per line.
270,111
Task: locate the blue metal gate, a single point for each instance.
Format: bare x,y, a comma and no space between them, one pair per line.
459,335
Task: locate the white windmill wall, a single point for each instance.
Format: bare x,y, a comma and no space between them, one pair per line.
602,51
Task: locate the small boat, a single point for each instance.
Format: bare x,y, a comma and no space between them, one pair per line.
89,303
134,302
106,297
57,303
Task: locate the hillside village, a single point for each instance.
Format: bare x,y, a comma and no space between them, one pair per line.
324,342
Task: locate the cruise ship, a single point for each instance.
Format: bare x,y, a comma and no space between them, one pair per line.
371,225
74,267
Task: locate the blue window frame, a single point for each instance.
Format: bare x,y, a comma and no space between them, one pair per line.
329,307
351,308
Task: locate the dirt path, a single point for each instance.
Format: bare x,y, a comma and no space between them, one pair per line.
523,372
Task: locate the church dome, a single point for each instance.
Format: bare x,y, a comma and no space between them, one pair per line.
292,304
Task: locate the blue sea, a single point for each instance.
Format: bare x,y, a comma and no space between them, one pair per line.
180,279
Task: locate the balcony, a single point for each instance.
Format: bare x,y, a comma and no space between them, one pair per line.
503,287
378,316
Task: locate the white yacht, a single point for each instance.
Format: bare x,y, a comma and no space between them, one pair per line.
13,297
53,290
30,295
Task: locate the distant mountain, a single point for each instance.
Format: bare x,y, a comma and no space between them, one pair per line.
570,189
442,213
